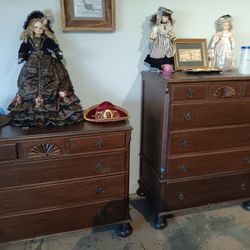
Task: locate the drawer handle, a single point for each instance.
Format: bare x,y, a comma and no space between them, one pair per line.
99,144
100,215
243,186
99,189
185,143
189,92
180,196
247,160
188,116
99,166
183,168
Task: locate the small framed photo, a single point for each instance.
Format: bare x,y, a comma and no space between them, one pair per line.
88,15
190,54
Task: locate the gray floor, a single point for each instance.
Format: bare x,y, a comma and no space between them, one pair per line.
226,228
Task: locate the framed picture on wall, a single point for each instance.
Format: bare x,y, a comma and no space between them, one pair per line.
190,54
88,15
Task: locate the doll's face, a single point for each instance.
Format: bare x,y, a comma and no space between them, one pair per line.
38,28
226,26
164,19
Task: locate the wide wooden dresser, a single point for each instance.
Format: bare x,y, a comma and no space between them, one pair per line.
195,141
54,180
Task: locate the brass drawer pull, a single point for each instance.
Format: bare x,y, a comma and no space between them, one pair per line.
188,116
243,186
189,93
99,166
99,144
180,196
247,160
183,168
99,189
185,143
100,215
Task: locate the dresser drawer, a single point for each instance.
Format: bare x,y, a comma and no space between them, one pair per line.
208,139
95,143
43,148
68,193
205,114
36,172
208,163
225,90
204,191
8,152
61,220
188,92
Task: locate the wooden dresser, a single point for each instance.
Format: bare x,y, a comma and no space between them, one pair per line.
60,179
195,141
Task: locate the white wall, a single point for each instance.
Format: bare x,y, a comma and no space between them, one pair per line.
107,66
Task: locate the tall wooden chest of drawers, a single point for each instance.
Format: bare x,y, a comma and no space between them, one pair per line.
195,140
60,179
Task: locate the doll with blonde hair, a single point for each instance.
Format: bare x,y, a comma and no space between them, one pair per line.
221,50
45,93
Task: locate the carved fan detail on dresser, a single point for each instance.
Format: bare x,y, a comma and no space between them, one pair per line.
45,149
225,92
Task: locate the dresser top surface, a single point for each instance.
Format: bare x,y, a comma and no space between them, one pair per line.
83,128
179,77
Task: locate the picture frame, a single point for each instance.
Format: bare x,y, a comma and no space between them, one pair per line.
190,54
88,15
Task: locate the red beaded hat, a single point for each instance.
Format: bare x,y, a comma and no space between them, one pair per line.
105,112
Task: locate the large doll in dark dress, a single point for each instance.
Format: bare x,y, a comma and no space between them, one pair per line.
45,93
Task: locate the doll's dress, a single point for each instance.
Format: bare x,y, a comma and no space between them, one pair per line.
162,50
223,50
38,102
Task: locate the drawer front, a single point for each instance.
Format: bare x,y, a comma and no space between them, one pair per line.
206,191
209,163
43,148
210,114
225,90
8,152
209,139
36,172
69,193
188,92
95,143
61,220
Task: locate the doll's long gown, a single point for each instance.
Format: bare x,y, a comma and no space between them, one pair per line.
38,102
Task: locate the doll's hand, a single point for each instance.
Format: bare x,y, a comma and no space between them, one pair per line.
20,60
59,55
62,93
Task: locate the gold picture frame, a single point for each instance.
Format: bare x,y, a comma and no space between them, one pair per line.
88,15
190,54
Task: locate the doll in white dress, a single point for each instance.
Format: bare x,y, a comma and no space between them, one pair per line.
221,54
162,37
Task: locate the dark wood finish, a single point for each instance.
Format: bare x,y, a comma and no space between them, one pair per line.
38,223
195,140
58,179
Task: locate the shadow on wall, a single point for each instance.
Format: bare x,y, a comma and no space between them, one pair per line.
132,101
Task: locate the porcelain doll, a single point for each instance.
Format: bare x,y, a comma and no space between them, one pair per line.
221,54
162,37
45,93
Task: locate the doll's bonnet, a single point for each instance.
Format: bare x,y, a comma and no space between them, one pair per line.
37,14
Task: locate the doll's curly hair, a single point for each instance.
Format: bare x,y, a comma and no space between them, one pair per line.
29,31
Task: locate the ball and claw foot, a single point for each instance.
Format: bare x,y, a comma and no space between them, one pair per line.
160,223
124,230
246,205
140,192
